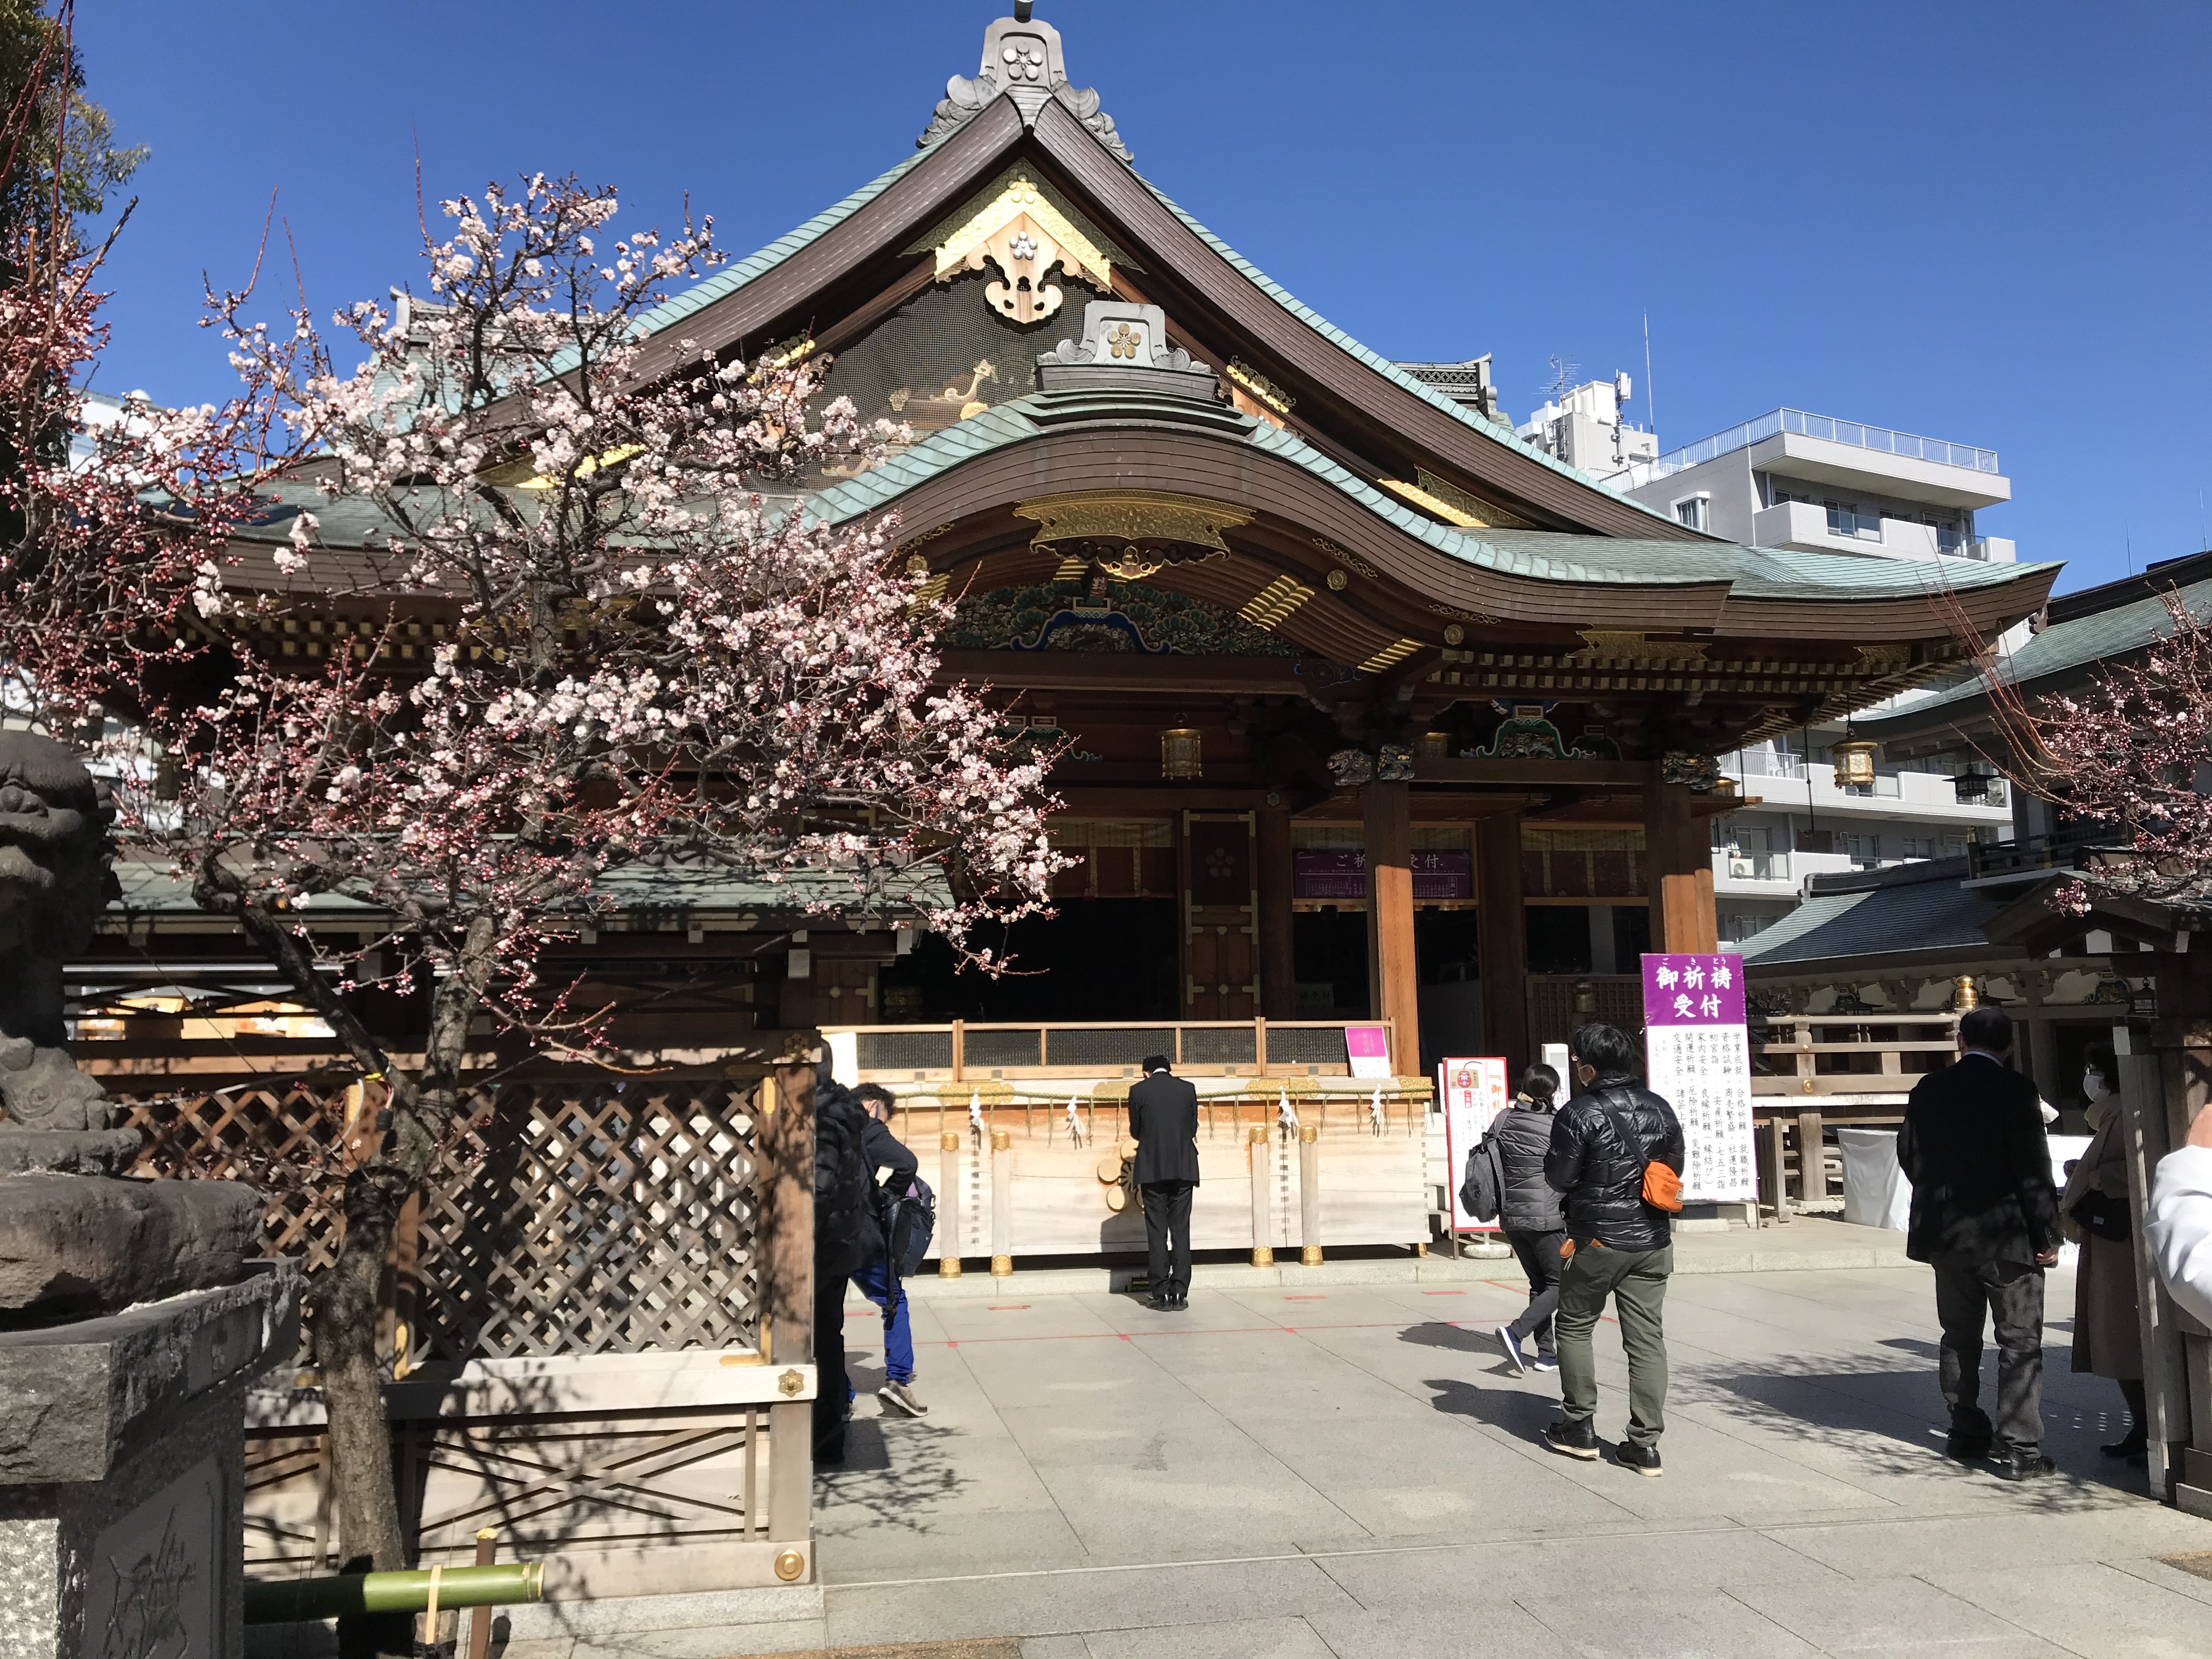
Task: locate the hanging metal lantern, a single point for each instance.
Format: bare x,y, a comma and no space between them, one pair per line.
1433,745
1180,753
1854,759
1972,783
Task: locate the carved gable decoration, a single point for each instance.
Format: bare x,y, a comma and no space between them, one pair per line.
1026,238
1124,347
1021,59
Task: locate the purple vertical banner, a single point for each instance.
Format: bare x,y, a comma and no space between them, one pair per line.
1692,990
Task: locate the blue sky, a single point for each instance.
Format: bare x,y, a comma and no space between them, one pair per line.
1986,221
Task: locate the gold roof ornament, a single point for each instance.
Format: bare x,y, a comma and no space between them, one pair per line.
1131,515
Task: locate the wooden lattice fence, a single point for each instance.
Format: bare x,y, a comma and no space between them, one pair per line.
592,1216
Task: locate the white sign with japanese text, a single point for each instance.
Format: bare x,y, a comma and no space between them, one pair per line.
1698,1059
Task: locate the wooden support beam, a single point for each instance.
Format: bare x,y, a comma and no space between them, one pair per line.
1279,988
1678,852
1502,942
1393,982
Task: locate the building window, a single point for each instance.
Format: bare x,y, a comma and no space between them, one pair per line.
1691,511
1865,850
1847,519
1919,847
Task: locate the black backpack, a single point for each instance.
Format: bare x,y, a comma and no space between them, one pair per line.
909,1222
1482,1194
847,1235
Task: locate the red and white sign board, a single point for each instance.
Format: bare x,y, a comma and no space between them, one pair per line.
1473,1092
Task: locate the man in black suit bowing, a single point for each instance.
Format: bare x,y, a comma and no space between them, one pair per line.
1163,1122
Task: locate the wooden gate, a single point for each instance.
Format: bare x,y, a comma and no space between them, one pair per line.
1221,907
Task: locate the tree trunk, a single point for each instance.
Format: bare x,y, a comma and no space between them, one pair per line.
366,1498
422,1114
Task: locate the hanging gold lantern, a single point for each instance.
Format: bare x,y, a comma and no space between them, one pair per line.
1854,758
1432,745
1179,753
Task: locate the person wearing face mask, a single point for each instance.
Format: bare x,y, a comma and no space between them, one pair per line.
2096,1214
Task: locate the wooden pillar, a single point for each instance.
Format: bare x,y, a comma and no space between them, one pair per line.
1678,853
1393,984
1279,969
785,1138
1502,941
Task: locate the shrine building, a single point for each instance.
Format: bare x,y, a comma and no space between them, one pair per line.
1366,708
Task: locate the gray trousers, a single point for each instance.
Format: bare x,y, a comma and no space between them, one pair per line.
1971,1291
1637,1282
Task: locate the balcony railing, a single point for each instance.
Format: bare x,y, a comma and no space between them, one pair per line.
1854,432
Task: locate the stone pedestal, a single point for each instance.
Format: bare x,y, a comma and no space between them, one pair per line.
121,1476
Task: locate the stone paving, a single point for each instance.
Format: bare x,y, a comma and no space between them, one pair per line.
1351,1471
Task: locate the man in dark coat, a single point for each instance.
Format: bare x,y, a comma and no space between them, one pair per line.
846,1237
1617,1245
1985,1216
1163,1122
892,1167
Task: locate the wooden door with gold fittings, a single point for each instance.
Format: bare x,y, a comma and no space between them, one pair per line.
1220,911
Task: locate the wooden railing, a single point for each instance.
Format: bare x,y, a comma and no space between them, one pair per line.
963,1049
1814,1071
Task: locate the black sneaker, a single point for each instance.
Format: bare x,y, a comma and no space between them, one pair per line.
1644,1460
1572,1437
1510,1345
2021,1466
1160,1303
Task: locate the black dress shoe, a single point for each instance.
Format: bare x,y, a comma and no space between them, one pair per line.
2134,1443
2021,1466
1160,1303
1182,1303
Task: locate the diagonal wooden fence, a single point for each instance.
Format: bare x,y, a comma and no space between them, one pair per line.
577,1321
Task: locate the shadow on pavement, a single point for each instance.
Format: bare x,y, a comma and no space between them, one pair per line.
1890,1420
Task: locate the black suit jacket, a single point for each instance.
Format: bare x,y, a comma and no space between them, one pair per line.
1163,1122
1973,1147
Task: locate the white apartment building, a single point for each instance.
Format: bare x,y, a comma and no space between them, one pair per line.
1795,822
1811,482
1792,479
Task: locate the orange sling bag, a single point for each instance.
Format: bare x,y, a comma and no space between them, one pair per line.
1662,1187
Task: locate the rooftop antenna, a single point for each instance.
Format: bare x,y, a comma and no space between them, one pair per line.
1564,371
1022,10
1650,406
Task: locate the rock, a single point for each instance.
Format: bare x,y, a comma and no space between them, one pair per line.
89,1151
73,1246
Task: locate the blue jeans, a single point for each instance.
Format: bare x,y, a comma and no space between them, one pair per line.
875,1283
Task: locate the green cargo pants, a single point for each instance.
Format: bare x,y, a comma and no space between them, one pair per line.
1637,1282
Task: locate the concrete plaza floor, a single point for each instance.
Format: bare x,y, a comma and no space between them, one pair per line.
1349,1470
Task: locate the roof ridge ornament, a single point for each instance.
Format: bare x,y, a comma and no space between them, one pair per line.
1023,61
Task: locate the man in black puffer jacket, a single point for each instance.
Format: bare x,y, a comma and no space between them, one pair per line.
847,1238
1617,1245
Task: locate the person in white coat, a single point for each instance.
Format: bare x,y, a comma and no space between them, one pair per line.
2181,1226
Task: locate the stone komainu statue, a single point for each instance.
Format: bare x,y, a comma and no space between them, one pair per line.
56,876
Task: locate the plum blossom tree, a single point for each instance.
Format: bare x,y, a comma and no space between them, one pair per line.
650,654
2133,749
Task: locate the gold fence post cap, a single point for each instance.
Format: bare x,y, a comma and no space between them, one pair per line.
789,1564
